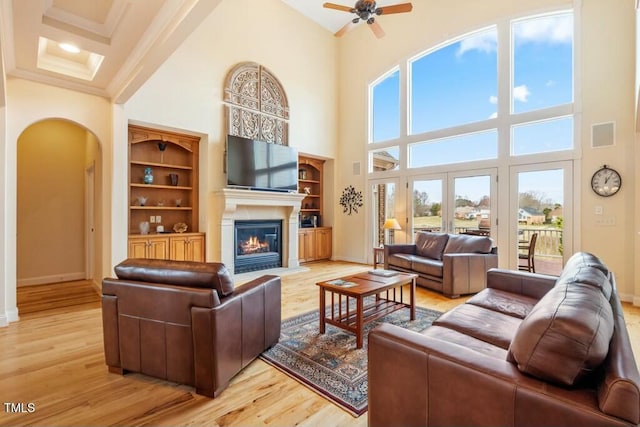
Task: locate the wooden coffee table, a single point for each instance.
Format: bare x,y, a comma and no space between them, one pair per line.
354,315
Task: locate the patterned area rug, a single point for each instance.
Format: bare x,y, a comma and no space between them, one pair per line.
330,364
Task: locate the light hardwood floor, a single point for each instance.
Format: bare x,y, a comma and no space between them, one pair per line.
53,358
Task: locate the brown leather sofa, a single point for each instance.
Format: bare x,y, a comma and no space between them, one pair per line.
454,264
530,350
184,322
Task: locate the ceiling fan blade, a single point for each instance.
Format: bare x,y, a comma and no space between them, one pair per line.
377,29
342,31
337,7
396,8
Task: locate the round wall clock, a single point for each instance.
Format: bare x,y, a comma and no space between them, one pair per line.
606,181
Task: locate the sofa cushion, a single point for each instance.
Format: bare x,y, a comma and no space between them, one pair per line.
464,243
485,325
427,266
431,245
515,305
400,260
566,336
210,275
455,337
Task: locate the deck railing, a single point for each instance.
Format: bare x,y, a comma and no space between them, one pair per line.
549,241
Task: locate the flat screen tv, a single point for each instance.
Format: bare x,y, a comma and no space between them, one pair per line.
260,165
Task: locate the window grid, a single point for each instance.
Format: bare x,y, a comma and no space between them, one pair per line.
502,122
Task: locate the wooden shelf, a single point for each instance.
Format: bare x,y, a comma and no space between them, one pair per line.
164,187
161,165
165,153
160,208
314,243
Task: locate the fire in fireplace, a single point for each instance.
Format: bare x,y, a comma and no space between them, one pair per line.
258,245
253,245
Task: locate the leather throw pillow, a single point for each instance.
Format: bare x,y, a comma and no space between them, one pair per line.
566,336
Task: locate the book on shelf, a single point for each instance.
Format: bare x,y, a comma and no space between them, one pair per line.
342,283
383,273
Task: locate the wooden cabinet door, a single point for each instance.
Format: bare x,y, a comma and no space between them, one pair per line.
137,248
307,245
302,255
323,243
196,248
179,248
158,248
187,248
149,247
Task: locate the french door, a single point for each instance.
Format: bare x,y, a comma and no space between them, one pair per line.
454,202
541,204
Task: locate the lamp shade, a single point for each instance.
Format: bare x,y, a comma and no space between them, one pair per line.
391,224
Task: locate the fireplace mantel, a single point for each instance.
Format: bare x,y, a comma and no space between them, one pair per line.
236,197
236,204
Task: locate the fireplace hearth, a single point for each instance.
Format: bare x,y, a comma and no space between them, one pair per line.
258,245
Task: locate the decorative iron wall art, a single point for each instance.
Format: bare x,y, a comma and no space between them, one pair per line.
256,104
351,200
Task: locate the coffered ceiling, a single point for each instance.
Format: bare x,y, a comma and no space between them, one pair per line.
119,43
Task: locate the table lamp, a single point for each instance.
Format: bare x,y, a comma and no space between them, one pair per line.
391,224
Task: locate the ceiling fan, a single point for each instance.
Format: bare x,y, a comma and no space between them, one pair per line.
367,11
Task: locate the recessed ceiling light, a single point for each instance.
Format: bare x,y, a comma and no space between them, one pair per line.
82,64
69,48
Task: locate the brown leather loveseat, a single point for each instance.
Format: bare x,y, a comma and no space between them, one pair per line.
184,322
530,350
454,264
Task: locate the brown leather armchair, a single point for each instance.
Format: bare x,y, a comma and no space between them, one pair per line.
184,322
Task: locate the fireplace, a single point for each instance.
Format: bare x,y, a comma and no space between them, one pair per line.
258,245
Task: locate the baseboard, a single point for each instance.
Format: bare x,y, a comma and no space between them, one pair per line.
97,286
10,316
54,278
630,298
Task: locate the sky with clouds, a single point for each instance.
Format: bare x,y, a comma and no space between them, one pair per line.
457,84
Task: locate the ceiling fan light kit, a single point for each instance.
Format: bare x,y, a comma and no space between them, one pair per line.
366,10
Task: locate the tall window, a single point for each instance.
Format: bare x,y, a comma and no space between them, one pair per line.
454,96
461,113
542,62
455,84
478,105
385,105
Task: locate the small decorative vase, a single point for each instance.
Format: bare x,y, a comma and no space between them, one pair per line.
148,176
173,177
144,227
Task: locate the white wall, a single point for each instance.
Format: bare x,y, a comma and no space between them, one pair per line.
186,92
606,32
608,81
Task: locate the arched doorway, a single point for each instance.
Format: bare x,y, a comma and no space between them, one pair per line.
58,203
